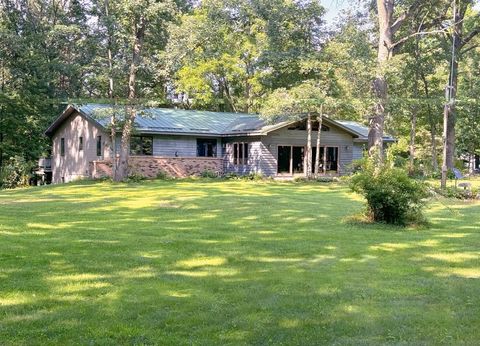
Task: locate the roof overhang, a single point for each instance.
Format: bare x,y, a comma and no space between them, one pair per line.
64,116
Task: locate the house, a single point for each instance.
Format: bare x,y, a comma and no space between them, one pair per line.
185,142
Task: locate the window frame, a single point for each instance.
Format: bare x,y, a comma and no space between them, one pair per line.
240,153
142,147
99,146
208,141
62,146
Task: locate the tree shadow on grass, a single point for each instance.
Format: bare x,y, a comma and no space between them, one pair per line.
229,263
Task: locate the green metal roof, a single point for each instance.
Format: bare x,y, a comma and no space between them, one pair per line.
179,120
193,122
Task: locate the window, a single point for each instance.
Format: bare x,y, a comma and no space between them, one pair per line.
99,145
206,147
141,145
240,153
62,146
302,126
80,143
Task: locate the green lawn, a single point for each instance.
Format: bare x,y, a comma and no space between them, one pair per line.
212,262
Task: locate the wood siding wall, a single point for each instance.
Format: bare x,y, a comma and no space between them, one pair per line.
334,138
75,163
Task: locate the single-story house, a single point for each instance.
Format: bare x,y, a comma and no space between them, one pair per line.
186,142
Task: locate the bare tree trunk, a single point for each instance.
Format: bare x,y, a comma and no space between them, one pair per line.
308,155
122,171
319,134
433,140
413,133
385,43
449,111
113,120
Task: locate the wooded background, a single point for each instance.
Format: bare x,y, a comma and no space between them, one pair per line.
384,64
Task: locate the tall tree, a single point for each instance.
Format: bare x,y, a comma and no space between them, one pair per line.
392,18
464,18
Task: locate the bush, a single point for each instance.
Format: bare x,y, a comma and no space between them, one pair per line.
208,174
392,196
458,193
15,173
135,178
162,175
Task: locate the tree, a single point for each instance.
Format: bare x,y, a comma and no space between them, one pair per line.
464,18
392,18
228,55
305,100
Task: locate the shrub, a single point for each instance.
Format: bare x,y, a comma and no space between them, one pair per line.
392,196
162,175
135,178
254,176
208,174
15,173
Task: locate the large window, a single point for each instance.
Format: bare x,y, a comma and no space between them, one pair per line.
240,153
99,145
62,146
206,147
141,145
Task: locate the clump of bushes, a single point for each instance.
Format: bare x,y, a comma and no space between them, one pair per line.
135,178
319,179
251,176
208,174
392,196
162,175
458,193
15,173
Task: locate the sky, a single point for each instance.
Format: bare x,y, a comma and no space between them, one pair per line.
334,7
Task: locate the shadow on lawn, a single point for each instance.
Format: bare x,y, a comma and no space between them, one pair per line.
228,263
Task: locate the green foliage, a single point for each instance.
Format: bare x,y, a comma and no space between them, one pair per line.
135,178
208,174
251,176
392,196
162,175
15,173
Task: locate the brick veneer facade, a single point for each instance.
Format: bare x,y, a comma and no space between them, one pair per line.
152,166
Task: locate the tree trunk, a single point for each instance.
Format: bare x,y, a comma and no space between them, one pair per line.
449,111
113,120
308,155
433,140
413,133
319,134
385,42
131,110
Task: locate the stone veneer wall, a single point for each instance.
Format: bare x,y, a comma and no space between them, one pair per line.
151,166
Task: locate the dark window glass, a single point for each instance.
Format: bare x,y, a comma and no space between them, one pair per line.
235,153
80,143
141,145
206,147
62,146
99,145
240,153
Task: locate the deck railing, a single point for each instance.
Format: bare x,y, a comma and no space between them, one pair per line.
45,163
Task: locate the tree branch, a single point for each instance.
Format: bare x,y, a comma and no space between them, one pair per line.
404,16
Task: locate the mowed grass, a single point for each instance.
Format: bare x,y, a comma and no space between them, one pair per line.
213,262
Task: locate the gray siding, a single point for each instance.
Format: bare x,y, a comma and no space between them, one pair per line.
171,146
260,160
358,149
334,138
